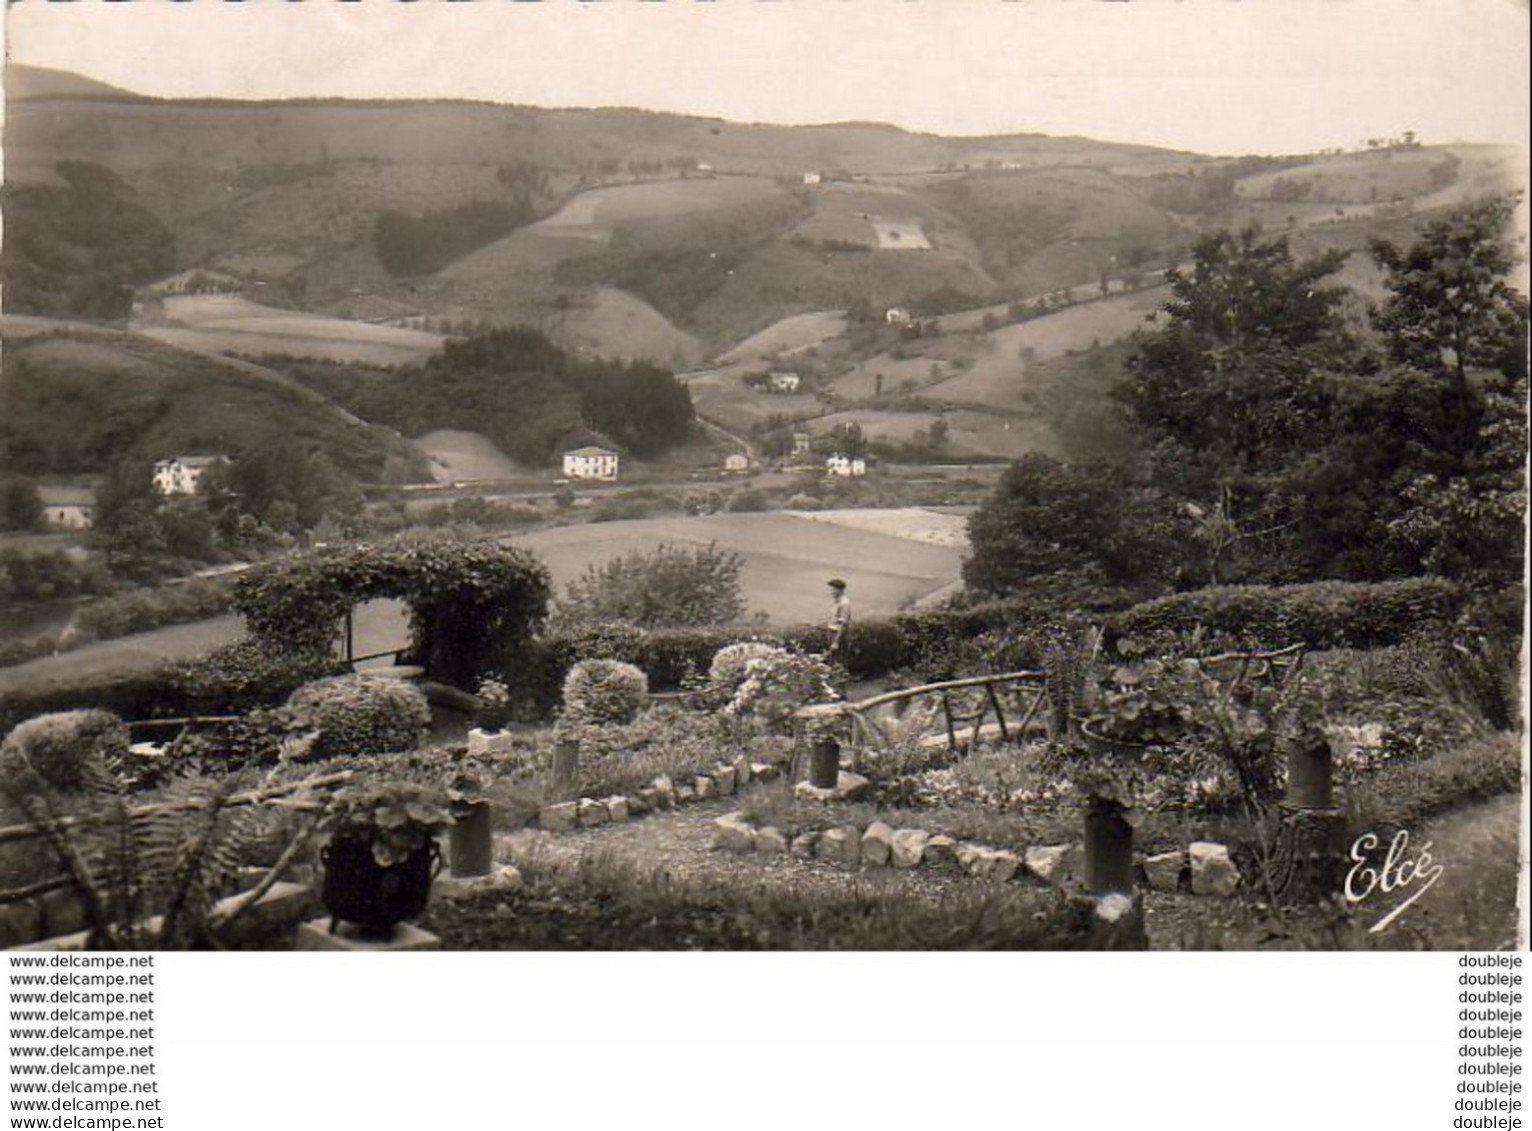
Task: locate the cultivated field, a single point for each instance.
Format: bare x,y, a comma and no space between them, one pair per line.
614,323
788,557
227,324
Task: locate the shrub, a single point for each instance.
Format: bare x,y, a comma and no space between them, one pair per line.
670,586
1322,614
248,673
731,666
604,692
362,714
59,749
746,500
777,683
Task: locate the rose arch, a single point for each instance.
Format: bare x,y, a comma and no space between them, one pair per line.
471,603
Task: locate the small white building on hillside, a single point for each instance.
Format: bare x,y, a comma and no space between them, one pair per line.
802,441
783,382
181,474
591,463
812,177
68,508
897,316
737,461
845,467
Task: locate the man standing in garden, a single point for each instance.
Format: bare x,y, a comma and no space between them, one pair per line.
840,619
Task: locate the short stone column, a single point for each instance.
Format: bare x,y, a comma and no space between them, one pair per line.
564,776
1108,848
1309,861
470,841
824,763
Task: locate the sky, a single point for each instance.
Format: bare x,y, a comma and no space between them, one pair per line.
1215,76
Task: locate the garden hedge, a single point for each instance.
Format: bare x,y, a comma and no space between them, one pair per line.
1321,614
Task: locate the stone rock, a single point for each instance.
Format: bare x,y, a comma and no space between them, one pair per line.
559,818
1000,865
1163,871
908,846
1052,863
988,863
664,792
1213,873
763,771
704,787
723,780
769,841
592,813
877,845
685,795
741,772
485,743
1118,923
968,855
617,809
642,802
803,845
848,787
502,877
941,852
733,833
842,845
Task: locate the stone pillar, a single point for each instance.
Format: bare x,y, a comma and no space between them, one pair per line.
470,842
1309,860
566,769
824,763
1108,848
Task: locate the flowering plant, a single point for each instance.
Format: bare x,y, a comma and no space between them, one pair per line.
494,709
397,818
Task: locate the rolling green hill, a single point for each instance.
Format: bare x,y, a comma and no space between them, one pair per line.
77,401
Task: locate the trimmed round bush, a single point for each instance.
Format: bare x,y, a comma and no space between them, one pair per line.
58,748
362,714
604,693
731,666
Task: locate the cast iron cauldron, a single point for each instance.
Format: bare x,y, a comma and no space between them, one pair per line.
374,898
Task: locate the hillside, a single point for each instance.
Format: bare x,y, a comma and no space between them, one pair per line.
76,401
290,194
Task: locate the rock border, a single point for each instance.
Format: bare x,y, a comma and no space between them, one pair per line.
879,845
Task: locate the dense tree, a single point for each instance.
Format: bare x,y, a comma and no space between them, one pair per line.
1047,520
79,249
21,508
1449,307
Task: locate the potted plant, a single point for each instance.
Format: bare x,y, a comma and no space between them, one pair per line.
490,717
382,854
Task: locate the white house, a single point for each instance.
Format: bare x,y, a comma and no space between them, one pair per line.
897,316
801,442
737,461
845,466
68,508
181,474
590,463
785,382
812,178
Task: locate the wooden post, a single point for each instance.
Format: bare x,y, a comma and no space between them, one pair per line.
824,763
1108,849
566,769
470,842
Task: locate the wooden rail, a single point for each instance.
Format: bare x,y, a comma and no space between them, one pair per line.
867,729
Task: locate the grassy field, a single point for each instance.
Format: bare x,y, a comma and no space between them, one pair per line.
796,332
458,456
998,375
